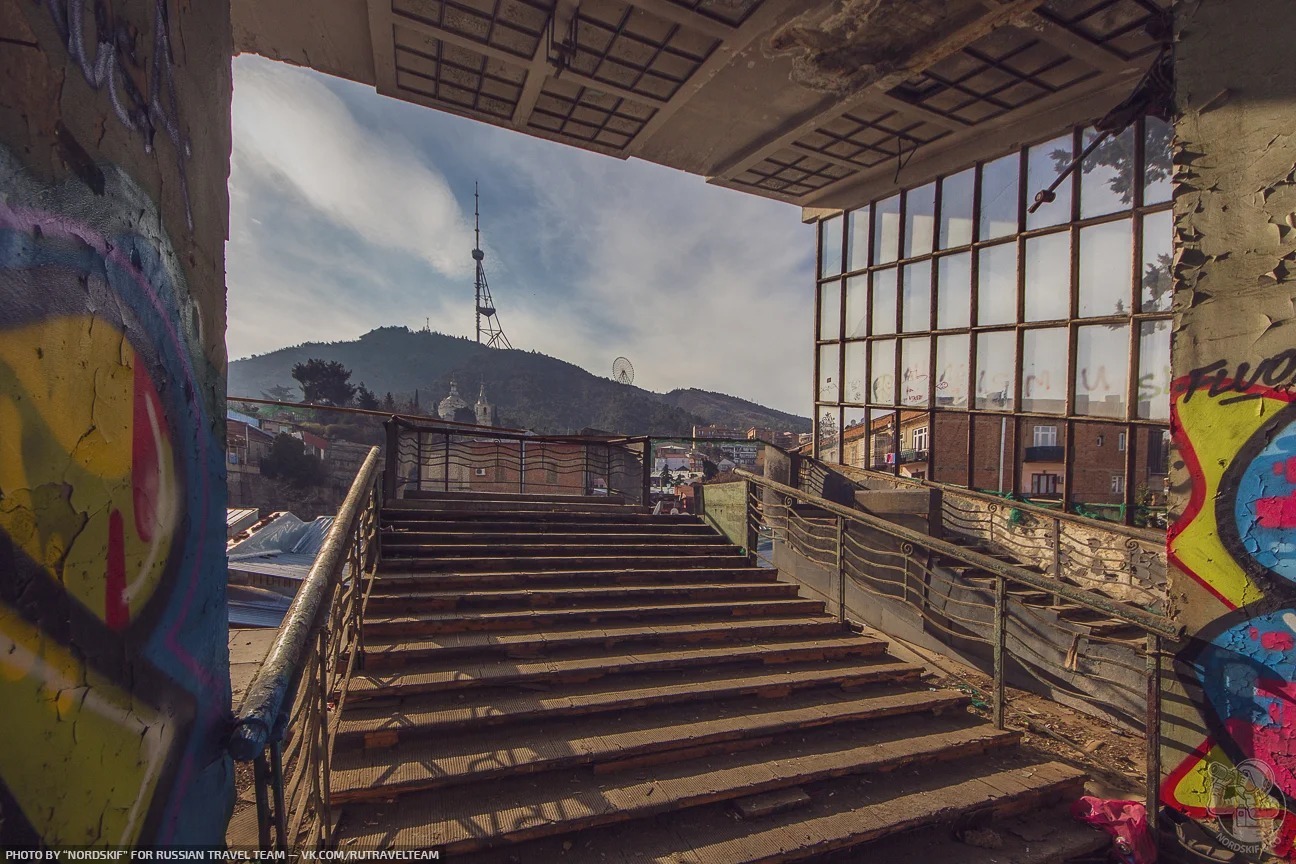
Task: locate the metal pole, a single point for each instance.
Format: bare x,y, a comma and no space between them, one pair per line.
261,780
393,444
1152,730
841,570
521,466
277,779
1000,640
749,513
647,471
445,465
1003,437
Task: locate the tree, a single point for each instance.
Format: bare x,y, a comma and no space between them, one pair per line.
666,478
388,404
326,381
365,398
279,393
289,460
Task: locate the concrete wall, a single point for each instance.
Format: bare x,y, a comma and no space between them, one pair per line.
114,157
1230,735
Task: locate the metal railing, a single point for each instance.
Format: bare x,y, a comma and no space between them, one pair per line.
287,723
1011,621
435,457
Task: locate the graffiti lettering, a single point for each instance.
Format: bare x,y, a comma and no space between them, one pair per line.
1241,383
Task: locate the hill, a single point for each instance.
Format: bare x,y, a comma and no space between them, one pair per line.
531,390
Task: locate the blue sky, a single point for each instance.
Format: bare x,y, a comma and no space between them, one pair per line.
350,211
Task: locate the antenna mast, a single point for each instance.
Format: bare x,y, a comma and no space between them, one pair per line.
488,325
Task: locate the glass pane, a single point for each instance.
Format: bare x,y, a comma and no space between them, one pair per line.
883,319
1048,277
886,230
882,440
1105,253
994,443
829,310
854,438
917,297
996,378
954,291
953,354
1158,240
828,356
828,437
956,209
857,239
857,306
1044,370
1102,370
856,376
920,220
1097,471
1154,370
914,443
1107,176
1042,445
1156,160
1151,477
830,246
997,284
949,454
999,197
1044,162
915,371
882,388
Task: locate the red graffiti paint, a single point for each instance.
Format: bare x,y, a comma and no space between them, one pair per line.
1286,469
1276,512
116,610
1277,641
146,479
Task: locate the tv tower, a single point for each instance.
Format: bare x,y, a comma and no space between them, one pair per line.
487,321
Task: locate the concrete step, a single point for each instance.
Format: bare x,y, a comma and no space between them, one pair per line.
398,549
663,735
395,515
412,583
392,562
526,808
391,723
908,816
436,676
536,619
383,654
507,497
554,535
484,505
580,596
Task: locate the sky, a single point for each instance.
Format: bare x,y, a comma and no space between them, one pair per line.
350,211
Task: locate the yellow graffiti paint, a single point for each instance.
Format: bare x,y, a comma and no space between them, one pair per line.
108,747
87,476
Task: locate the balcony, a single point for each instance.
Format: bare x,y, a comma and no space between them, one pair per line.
1044,454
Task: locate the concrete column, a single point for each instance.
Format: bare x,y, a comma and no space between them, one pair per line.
1230,725
114,158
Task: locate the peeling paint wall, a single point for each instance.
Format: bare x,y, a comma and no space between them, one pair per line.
114,156
1229,737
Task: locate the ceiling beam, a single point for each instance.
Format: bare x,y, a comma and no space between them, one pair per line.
538,68
1085,50
827,157
891,103
685,17
831,107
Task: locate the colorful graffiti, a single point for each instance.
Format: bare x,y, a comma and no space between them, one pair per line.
1237,539
112,636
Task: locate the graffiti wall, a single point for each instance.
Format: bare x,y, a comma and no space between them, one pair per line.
113,662
1229,732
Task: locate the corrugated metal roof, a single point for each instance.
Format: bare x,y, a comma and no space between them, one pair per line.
238,518
282,550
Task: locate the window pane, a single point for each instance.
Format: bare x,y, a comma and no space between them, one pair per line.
996,370
854,438
917,296
1044,162
1158,238
997,284
1044,370
1151,478
830,246
1102,370
954,290
956,209
1048,277
828,433
999,197
883,319
1154,370
949,447
915,370
857,306
857,239
1097,471
1107,176
829,309
1105,253
920,220
1156,160
856,372
882,440
991,437
913,443
828,355
953,353
1043,459
886,230
882,372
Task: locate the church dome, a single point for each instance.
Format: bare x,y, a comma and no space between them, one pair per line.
447,407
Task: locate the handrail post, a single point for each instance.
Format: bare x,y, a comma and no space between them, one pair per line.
445,465
1152,730
521,466
841,570
647,471
1000,642
749,513
393,444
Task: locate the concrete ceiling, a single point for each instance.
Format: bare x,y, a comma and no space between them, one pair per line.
821,104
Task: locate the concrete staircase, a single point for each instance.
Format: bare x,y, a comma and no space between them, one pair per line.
558,678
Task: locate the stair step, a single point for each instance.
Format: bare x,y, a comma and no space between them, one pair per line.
394,583
544,549
383,724
489,506
539,532
449,622
392,563
411,515
554,598
366,774
382,654
433,677
529,808
862,822
507,497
